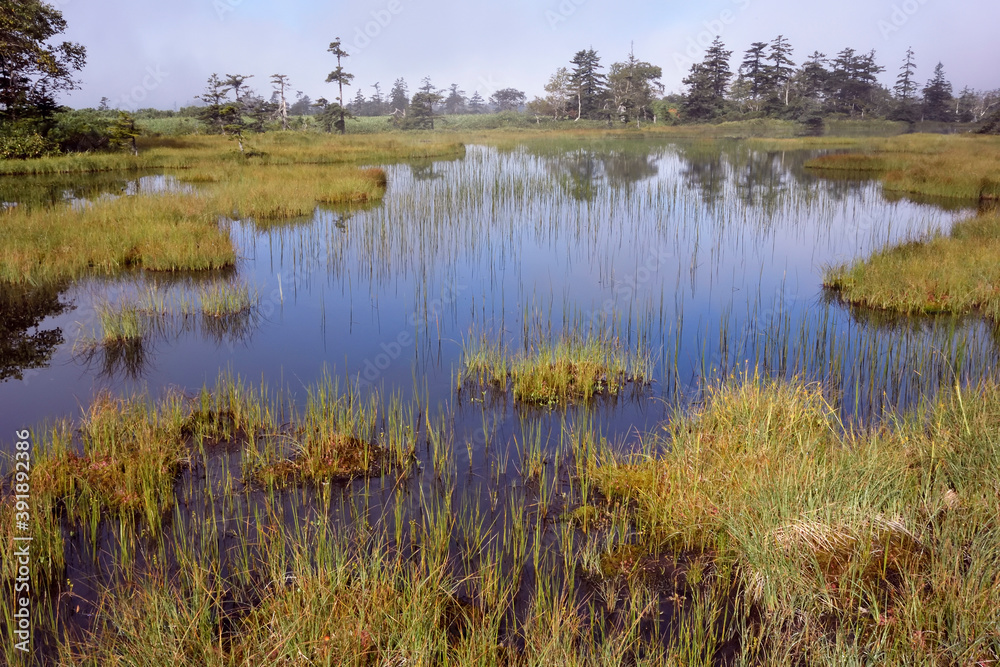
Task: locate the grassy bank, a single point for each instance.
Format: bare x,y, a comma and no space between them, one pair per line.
273,148
823,546
953,166
945,273
183,230
957,272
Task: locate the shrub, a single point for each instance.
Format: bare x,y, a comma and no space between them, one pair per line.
24,146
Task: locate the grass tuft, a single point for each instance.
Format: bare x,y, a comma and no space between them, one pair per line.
571,369
221,299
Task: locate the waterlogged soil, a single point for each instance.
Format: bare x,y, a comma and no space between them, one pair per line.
711,255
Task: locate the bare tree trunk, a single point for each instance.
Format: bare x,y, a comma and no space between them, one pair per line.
343,125
284,108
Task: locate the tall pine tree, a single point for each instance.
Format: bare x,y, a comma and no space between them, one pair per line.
780,68
340,77
938,97
906,87
588,83
707,84
399,97
906,107
753,69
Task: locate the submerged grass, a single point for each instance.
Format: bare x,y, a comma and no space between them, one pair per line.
849,545
954,273
569,369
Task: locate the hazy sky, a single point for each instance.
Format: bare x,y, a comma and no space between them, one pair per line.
159,54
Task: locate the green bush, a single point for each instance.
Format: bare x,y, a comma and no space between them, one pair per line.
81,130
24,146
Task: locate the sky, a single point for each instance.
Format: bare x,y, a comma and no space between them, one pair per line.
159,54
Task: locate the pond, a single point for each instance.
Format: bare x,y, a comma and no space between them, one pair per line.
708,254
714,255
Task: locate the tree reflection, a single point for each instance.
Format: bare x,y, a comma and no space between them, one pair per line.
581,173
23,344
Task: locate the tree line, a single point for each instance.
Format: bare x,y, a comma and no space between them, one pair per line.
765,81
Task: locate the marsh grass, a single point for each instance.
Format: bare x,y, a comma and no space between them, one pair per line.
129,454
340,435
274,148
122,324
346,597
224,299
954,273
48,558
845,543
549,373
334,601
761,531
959,167
166,232
126,327
272,193
121,342
182,231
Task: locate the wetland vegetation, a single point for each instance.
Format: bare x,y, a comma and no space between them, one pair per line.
613,376
549,442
